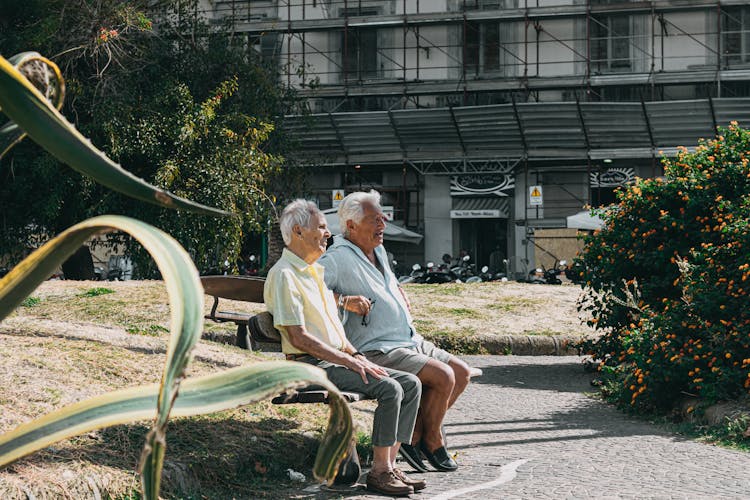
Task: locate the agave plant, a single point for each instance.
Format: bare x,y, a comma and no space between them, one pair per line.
36,113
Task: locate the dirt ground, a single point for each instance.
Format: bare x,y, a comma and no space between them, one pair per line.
456,309
498,308
72,340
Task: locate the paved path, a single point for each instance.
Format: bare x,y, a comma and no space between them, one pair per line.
526,430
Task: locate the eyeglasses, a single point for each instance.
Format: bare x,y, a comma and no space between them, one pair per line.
366,317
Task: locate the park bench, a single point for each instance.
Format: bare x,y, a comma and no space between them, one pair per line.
256,331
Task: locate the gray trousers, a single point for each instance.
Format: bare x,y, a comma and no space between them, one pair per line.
397,395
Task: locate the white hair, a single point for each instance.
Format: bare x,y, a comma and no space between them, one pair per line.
299,212
351,207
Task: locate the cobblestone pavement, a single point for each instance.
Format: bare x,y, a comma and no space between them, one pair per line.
526,429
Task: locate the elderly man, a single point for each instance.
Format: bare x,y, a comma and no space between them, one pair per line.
358,272
305,313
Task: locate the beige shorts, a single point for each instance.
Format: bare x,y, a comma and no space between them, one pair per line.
409,359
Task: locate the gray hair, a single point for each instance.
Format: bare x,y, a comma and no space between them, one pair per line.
299,213
351,207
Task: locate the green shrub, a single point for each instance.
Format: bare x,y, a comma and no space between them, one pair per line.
31,302
95,292
666,278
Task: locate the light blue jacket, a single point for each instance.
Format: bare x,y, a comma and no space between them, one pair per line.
349,272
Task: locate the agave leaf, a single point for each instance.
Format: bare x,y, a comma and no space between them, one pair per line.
185,298
10,133
28,108
207,394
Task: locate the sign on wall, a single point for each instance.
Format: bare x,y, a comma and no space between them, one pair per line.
612,177
336,196
475,214
483,185
536,198
388,212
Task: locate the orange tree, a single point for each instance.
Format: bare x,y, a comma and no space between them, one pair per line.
667,279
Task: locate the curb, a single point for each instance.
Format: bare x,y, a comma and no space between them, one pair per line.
499,345
529,345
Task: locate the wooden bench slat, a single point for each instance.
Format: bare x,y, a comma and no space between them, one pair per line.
222,316
243,288
314,396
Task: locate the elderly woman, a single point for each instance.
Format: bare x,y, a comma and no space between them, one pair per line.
305,313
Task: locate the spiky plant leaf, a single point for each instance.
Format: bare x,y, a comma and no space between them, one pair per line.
29,109
185,297
52,86
207,394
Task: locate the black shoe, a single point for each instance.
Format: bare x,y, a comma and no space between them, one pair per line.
350,468
440,459
411,455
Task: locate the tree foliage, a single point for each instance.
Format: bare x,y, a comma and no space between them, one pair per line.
668,279
185,106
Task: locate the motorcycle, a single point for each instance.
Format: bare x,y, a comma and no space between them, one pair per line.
548,276
415,276
435,274
464,270
429,275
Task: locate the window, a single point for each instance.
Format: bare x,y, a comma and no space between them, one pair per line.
488,4
359,49
488,48
736,36
267,46
610,43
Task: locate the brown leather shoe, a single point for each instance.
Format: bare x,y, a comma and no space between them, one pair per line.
388,483
417,484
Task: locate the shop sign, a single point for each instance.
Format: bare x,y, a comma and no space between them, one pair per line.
482,185
475,214
612,178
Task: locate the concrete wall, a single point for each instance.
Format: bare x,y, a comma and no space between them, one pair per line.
438,226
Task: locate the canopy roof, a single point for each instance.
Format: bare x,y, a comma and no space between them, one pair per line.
584,220
537,131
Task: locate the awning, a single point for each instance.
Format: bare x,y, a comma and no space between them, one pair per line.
392,231
584,220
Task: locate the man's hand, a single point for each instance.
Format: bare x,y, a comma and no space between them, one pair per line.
358,304
364,366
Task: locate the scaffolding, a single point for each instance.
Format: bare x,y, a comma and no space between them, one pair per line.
359,55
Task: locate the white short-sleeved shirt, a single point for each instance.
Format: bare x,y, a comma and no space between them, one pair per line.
296,295
349,272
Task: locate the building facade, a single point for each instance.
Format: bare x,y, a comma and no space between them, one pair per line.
485,123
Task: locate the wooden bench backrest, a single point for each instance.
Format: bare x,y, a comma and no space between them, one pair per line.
244,288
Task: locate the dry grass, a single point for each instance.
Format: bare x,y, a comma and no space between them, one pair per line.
501,308
69,347
72,342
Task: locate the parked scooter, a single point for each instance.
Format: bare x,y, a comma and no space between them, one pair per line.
464,269
415,276
435,274
485,274
548,276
